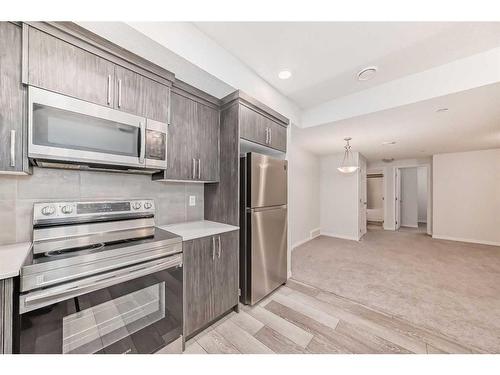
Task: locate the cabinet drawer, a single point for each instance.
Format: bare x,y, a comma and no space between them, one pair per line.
59,66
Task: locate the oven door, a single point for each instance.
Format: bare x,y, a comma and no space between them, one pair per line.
156,144
136,309
61,128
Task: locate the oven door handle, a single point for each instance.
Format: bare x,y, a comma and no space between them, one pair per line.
35,300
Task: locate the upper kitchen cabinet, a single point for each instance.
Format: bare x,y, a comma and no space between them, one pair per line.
259,123
12,101
59,66
193,136
142,96
67,59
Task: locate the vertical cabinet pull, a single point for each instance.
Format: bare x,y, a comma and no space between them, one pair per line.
219,249
109,89
267,136
142,154
119,93
213,247
12,148
199,169
270,135
194,168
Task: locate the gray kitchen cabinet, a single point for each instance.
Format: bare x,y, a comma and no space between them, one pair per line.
210,279
226,272
6,315
193,141
59,66
258,128
277,136
140,95
207,136
181,164
12,101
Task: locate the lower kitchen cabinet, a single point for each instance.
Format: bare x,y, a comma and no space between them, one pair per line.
210,279
6,315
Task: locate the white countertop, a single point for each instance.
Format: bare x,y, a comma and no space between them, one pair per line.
12,258
197,229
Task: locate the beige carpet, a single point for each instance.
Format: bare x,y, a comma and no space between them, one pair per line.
452,287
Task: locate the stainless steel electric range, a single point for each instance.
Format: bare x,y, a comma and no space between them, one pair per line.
102,279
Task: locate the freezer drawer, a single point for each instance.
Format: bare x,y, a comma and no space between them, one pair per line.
268,250
268,181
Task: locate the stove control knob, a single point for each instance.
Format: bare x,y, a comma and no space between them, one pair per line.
67,209
136,205
148,205
48,210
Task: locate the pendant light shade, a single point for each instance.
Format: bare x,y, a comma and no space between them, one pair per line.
348,164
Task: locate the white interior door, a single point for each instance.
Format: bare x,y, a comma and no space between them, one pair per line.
397,203
362,197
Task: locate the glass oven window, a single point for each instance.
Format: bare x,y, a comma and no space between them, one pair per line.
64,129
95,328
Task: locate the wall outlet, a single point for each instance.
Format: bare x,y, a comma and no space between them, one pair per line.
192,200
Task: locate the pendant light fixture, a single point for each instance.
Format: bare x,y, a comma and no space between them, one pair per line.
348,164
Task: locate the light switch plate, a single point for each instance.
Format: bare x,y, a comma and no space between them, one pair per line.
192,200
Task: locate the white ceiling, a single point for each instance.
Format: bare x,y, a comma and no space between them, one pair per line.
471,123
325,57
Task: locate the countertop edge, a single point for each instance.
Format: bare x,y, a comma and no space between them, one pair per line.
188,231
20,251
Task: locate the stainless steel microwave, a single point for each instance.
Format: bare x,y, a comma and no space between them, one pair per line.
71,133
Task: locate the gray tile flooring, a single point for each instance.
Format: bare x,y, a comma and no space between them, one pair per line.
298,318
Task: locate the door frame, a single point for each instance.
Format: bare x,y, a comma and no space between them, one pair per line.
397,195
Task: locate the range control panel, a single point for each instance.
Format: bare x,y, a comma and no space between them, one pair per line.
69,211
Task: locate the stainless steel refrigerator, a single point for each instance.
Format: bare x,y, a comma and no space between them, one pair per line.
263,226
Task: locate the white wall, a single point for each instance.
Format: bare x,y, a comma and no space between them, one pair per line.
409,197
388,171
339,198
303,194
466,194
422,194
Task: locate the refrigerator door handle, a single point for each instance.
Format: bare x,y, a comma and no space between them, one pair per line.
260,209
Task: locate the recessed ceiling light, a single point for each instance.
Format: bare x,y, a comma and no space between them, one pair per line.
441,110
389,143
284,74
367,73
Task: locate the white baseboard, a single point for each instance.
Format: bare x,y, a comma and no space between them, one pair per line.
409,226
314,231
469,240
342,236
386,227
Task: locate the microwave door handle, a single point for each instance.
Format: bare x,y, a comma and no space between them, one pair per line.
142,150
51,296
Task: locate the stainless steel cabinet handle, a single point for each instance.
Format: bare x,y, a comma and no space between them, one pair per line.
199,169
267,136
194,169
219,250
213,247
12,148
119,93
109,89
270,135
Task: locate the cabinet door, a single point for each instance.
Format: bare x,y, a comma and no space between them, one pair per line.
277,136
12,95
199,283
208,142
226,272
179,139
253,125
140,95
64,68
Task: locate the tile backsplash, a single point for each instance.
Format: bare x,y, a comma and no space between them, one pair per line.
18,193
